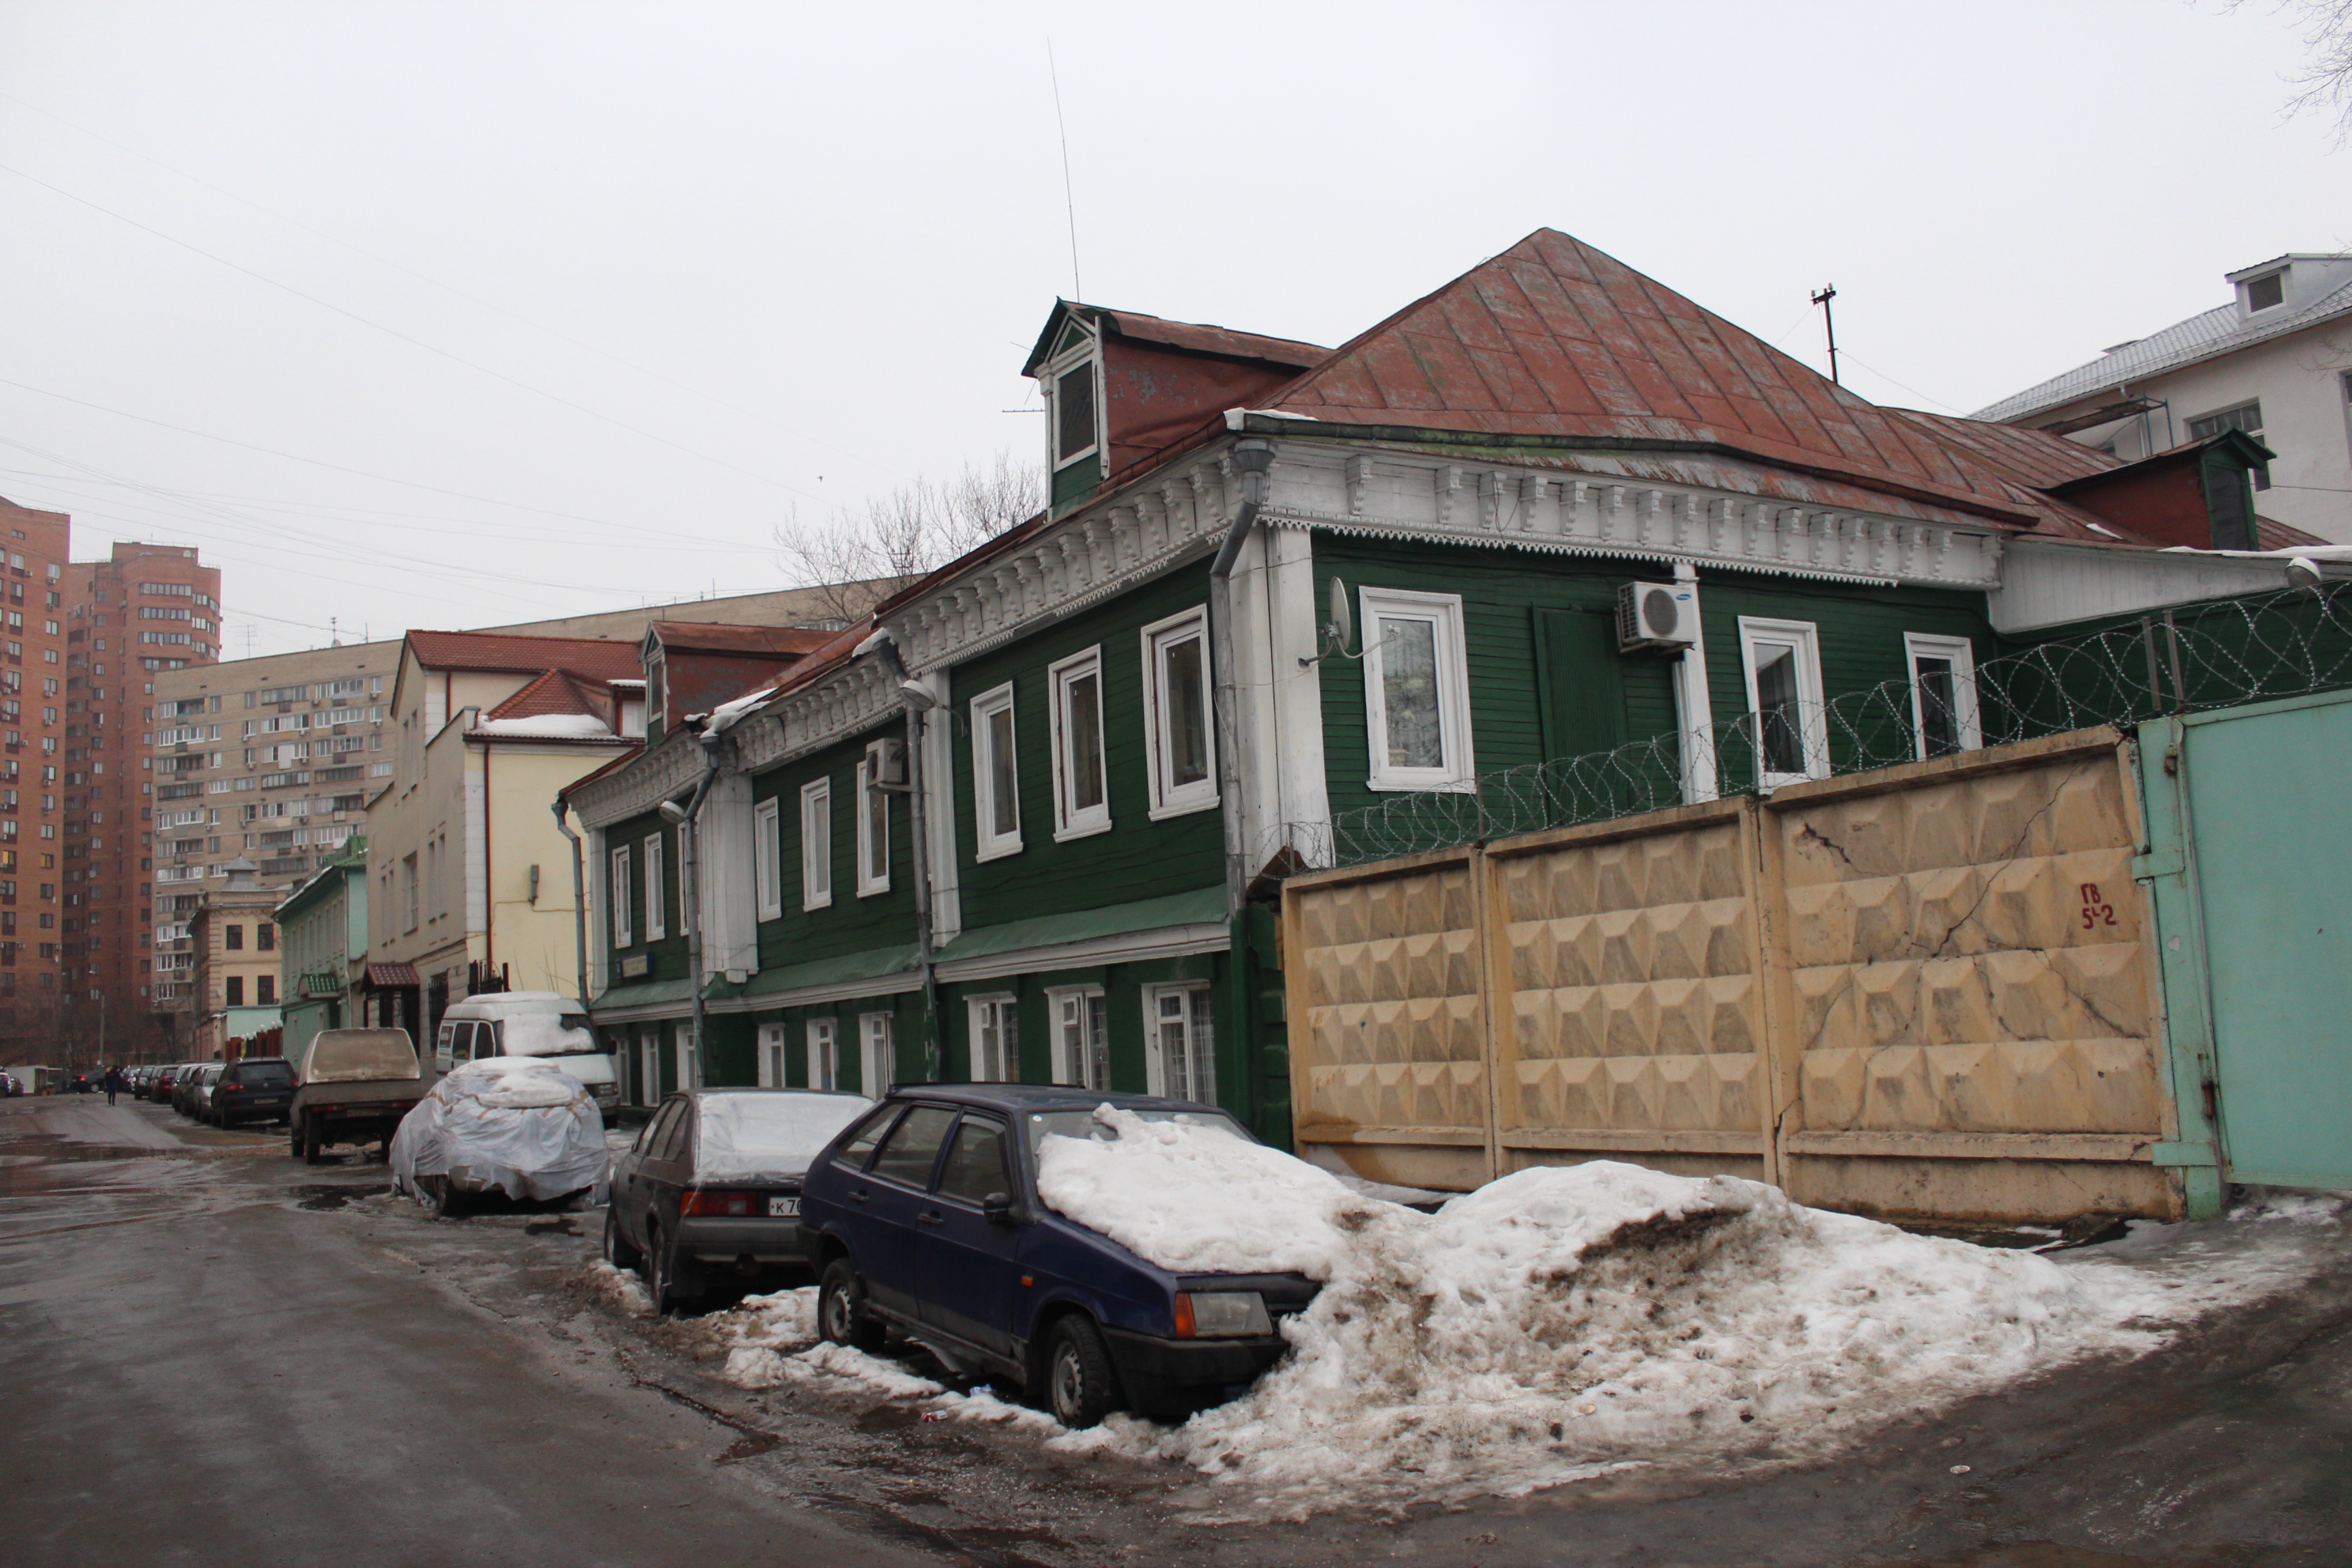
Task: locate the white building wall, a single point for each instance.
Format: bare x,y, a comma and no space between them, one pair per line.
2307,420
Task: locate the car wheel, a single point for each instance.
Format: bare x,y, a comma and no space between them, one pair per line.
448,1201
840,1316
617,1251
661,1270
312,1146
1080,1387
293,1140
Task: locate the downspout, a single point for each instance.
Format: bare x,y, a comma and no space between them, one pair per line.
1251,458
917,702
689,889
579,899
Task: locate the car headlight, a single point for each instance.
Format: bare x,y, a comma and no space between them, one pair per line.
1221,1314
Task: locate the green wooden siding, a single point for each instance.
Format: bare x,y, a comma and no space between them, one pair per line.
1138,858
668,955
1546,679
850,923
1861,634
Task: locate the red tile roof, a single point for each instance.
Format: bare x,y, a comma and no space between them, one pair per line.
1192,336
706,637
556,691
598,658
1555,338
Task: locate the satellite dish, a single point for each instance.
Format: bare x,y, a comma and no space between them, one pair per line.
2302,573
1342,624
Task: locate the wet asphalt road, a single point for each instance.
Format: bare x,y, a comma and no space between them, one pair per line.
210,1354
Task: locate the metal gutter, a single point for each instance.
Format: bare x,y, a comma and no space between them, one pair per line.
1251,460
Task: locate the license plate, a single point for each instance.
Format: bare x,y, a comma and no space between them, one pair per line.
784,1208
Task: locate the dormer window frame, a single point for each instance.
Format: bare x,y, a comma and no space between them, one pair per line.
1049,380
2277,279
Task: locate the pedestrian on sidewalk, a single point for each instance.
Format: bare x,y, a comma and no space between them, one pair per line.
113,1083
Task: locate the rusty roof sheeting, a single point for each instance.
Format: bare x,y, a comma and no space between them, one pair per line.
598,658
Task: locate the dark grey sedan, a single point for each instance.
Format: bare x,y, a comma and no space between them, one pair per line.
713,1183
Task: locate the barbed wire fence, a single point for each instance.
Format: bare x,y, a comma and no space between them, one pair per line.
2186,659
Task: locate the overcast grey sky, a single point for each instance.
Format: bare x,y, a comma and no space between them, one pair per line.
520,310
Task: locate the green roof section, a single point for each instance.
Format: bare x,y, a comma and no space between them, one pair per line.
1203,907
652,994
849,968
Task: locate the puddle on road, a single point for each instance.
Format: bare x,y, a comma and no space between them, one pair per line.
2023,1554
322,1198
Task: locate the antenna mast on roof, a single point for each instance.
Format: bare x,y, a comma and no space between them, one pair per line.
1829,324
1069,201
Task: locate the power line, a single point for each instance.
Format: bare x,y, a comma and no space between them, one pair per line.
317,462
425,278
403,337
1069,199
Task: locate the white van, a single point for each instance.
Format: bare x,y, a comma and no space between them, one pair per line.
528,1024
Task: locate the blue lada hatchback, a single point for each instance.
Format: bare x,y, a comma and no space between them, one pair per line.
923,1217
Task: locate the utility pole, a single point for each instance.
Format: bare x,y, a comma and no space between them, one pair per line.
1829,323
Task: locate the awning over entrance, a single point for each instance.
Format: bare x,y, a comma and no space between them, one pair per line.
391,976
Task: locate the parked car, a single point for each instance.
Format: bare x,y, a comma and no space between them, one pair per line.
9,1088
511,1124
166,1080
925,1219
192,1096
540,1024
258,1089
714,1180
353,1086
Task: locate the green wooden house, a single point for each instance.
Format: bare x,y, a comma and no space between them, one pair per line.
1026,821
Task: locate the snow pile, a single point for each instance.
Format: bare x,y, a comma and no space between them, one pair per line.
548,727
621,1287
1562,1322
772,1340
1195,1198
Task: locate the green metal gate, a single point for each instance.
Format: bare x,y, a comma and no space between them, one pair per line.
2249,860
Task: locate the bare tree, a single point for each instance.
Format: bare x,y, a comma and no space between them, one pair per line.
2325,80
853,561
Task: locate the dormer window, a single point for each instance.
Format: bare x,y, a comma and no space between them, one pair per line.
2262,293
656,708
1073,412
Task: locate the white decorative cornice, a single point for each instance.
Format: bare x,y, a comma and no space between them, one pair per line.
852,699
660,775
1094,554
1446,501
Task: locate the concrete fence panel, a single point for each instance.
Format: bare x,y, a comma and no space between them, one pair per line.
1931,990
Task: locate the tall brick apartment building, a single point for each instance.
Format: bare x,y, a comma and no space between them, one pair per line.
143,610
32,673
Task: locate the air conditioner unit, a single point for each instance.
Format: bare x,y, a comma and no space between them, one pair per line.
1655,615
886,762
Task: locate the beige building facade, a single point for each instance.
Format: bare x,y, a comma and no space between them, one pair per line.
233,941
470,878
270,761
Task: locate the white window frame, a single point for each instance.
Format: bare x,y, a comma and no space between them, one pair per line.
772,1074
1813,731
689,1070
619,886
649,1089
987,844
1199,1017
656,914
878,1059
1068,821
1458,769
1967,719
1073,1007
822,1044
816,844
767,858
868,794
1049,381
984,1014
1168,797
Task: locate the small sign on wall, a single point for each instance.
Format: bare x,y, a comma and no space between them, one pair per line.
636,966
